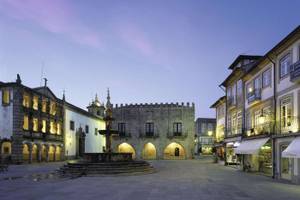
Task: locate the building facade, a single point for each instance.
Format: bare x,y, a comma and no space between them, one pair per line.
31,124
155,131
82,129
205,136
264,129
220,107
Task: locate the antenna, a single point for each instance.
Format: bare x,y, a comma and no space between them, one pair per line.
42,73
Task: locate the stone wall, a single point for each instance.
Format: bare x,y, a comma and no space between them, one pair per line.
163,116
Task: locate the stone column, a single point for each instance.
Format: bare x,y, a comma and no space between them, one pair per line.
47,152
54,155
40,151
30,152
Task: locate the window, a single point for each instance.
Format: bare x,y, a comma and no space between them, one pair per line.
228,92
257,83
35,104
58,129
44,125
121,128
26,100
286,113
72,125
233,123
239,121
234,94
229,125
52,108
5,97
239,88
86,129
267,113
177,128
266,78
25,122
249,88
257,115
284,65
96,131
203,127
52,127
44,105
35,124
248,121
149,129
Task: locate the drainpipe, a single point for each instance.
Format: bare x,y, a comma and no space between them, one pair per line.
225,132
275,117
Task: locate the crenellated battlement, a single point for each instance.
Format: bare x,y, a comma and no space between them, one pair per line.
155,105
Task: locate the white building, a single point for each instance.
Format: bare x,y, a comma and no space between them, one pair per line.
81,129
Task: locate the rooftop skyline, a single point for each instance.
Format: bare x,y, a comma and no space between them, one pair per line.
179,53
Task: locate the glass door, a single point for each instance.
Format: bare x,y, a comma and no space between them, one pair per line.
285,166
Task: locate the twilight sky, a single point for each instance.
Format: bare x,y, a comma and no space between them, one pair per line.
144,51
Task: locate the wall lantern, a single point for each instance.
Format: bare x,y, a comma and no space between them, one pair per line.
209,133
261,119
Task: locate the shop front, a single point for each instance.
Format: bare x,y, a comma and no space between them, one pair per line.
256,155
288,162
231,158
220,153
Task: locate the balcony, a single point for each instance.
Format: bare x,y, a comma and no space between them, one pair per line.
295,72
52,137
266,128
177,135
254,96
149,135
124,135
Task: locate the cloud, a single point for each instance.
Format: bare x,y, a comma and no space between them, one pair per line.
55,16
133,36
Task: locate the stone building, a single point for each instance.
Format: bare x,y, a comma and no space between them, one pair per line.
155,131
31,123
205,135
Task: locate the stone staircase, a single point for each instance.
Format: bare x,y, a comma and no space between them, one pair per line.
79,168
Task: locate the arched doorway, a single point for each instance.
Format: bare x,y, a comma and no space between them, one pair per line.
174,151
44,153
58,153
34,153
149,152
25,153
51,153
6,148
126,148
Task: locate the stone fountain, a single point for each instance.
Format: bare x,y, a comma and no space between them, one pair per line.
108,162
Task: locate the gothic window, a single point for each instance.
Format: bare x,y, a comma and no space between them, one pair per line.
149,129
121,129
52,108
177,128
52,127
44,124
58,129
44,105
86,129
96,131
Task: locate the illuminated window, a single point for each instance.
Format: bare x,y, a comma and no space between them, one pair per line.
26,100
44,105
44,125
5,96
58,128
35,124
52,108
35,104
286,113
52,127
25,122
